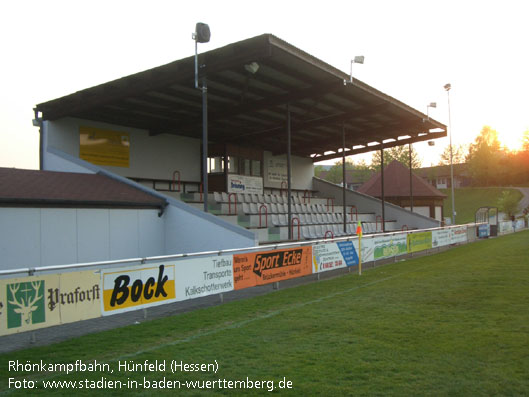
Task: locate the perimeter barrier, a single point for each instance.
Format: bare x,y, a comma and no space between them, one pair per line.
55,295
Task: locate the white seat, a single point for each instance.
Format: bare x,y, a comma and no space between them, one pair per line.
218,197
338,230
305,232
279,199
224,197
275,220
283,221
267,198
240,198
312,232
254,208
246,208
320,231
273,208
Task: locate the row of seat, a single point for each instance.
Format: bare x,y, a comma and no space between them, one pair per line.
272,208
311,232
315,219
223,197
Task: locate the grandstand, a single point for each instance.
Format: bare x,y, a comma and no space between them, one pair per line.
267,126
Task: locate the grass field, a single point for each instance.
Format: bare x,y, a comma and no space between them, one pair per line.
469,199
451,324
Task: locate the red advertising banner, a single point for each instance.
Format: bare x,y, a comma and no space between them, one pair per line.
258,268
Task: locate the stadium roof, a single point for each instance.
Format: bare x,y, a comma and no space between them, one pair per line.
397,183
250,108
68,189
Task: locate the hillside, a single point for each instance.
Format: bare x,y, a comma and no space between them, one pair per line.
469,199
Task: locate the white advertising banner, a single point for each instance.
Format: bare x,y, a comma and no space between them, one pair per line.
368,249
332,256
440,238
458,234
277,169
245,184
203,276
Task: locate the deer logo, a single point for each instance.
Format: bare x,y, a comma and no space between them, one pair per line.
25,304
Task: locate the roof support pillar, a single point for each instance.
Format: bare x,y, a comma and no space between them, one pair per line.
344,179
382,183
411,188
289,173
205,142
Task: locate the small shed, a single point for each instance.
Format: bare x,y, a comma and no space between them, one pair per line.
425,199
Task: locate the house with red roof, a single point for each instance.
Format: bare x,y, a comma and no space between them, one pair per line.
425,199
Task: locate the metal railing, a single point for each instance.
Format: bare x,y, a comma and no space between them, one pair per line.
32,270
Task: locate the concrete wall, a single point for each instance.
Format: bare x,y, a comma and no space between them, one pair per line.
366,203
185,229
302,172
154,157
31,237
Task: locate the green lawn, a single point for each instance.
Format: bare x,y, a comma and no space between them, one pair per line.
451,324
469,199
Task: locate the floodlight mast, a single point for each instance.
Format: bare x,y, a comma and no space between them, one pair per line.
447,87
202,35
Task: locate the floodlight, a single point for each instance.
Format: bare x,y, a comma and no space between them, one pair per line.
357,59
433,104
447,86
202,33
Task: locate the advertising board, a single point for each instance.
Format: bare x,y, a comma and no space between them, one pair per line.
104,147
388,246
458,234
419,241
132,288
258,268
440,238
245,184
332,256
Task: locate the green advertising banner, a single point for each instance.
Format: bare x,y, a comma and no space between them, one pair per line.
419,241
389,246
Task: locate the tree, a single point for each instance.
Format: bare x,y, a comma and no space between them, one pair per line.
399,153
508,203
484,157
525,141
318,170
458,155
335,174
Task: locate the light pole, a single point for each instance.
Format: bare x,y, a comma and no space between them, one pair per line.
447,88
202,35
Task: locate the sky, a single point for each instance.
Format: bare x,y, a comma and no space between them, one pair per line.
411,48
